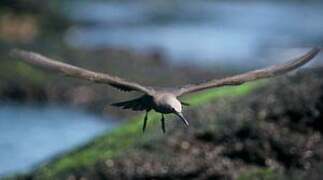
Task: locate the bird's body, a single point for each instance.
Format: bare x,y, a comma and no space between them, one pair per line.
160,101
164,101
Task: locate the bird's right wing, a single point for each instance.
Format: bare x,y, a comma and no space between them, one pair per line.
73,71
251,75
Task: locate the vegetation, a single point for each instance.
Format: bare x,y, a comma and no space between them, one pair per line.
272,133
126,136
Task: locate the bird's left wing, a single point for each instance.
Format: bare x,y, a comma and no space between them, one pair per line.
73,71
251,75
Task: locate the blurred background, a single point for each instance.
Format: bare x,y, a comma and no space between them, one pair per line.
161,42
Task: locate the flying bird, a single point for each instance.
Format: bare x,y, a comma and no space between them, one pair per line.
162,100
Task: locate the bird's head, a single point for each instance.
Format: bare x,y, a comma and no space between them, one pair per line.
176,107
174,104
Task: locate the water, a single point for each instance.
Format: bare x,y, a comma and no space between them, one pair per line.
32,134
202,32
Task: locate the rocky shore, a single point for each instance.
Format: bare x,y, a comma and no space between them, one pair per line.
273,133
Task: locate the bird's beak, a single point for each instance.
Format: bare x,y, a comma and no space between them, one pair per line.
180,114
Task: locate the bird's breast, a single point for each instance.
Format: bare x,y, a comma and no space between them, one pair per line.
162,109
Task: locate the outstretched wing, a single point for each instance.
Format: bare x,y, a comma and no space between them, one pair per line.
251,75
73,71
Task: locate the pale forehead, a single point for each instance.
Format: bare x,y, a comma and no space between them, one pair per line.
175,104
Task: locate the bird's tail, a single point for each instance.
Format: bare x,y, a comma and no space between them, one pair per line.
137,104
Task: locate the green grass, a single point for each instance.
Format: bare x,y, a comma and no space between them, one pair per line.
261,174
123,137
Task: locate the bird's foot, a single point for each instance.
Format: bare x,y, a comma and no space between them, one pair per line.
163,124
145,122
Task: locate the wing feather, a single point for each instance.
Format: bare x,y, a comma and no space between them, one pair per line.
251,75
73,71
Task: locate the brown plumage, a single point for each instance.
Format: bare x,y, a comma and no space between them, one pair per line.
160,100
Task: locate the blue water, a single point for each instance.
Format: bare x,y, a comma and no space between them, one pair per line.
32,134
200,32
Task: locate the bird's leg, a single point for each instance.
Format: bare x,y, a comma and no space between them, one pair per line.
145,122
163,123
